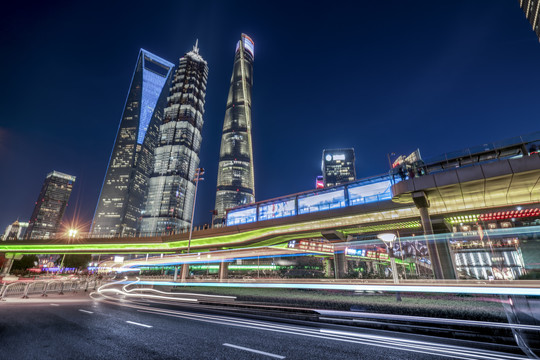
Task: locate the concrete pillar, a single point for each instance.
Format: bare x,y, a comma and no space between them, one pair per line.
223,271
7,267
340,264
439,251
175,273
184,272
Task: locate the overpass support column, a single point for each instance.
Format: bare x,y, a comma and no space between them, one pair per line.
439,251
175,273
7,267
184,272
223,271
340,264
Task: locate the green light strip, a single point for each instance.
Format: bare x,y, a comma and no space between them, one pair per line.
462,219
384,227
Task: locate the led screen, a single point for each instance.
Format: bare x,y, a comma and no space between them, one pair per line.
362,194
277,210
242,216
321,201
249,46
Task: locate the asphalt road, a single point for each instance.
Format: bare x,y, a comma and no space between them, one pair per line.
78,327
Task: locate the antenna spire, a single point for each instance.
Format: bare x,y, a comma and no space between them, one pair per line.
196,47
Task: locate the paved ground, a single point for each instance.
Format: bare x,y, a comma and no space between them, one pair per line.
78,327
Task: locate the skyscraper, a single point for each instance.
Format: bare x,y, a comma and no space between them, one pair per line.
126,183
338,166
171,187
50,206
236,183
531,9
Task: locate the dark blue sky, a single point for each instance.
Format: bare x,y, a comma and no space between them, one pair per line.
379,76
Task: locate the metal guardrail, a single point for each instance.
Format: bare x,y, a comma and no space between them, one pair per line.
43,288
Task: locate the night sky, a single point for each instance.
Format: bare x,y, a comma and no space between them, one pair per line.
379,76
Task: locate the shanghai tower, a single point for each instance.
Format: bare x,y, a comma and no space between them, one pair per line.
236,184
171,189
125,185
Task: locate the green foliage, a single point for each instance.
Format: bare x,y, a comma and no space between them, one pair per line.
26,262
79,261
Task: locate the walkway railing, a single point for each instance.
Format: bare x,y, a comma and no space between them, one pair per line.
26,288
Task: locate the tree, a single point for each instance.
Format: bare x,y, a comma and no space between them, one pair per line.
26,262
79,261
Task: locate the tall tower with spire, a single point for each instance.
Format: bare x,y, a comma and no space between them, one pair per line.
171,189
236,183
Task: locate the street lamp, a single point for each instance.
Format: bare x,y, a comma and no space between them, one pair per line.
388,239
199,172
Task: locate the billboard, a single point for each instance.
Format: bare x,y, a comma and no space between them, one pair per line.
320,201
242,216
277,209
362,194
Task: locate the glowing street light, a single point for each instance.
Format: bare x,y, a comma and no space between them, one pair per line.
388,239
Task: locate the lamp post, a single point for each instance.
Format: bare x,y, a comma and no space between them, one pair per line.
199,172
388,239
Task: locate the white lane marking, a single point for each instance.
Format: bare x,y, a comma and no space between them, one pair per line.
86,311
254,351
136,323
55,305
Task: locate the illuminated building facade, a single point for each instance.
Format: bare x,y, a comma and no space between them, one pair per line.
338,166
236,183
171,188
531,9
50,206
126,183
15,231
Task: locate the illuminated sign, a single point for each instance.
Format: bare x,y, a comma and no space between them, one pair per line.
362,194
277,210
328,157
377,255
242,216
355,252
510,214
319,183
320,201
249,45
118,259
339,157
310,245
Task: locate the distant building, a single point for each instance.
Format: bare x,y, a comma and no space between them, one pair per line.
50,206
531,9
236,182
125,186
338,166
171,188
15,231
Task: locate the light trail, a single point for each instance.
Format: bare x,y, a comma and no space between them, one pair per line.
473,290
452,351
416,346
171,294
423,319
86,311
